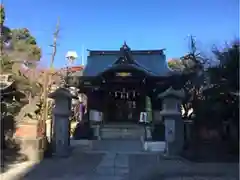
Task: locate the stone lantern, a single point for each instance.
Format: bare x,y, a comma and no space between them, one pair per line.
174,125
61,123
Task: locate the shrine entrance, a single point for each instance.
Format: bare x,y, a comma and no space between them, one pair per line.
123,107
125,111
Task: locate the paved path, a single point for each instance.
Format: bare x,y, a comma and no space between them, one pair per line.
123,146
117,166
113,167
76,166
124,161
151,168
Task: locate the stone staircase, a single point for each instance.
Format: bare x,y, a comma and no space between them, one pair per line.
122,131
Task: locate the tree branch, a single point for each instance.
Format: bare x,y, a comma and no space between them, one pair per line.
47,78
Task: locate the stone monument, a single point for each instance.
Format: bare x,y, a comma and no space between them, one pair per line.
61,123
174,125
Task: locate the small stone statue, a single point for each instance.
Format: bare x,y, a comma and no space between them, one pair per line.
29,110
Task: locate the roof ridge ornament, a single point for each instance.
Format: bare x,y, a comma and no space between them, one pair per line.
125,48
125,55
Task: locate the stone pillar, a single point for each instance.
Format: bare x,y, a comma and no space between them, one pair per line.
148,135
61,123
96,119
174,125
31,139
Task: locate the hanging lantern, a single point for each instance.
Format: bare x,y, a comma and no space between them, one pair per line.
127,95
116,94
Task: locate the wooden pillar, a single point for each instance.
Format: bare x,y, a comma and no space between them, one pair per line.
106,107
89,103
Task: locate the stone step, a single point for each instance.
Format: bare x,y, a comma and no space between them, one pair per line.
123,126
120,136
121,133
122,130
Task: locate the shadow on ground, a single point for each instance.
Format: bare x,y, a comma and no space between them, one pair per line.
151,168
211,152
189,176
141,167
10,154
73,166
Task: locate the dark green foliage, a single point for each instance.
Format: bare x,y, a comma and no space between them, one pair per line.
2,14
213,94
226,73
20,48
6,34
224,79
212,91
192,64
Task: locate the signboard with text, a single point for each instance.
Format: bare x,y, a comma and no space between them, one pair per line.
123,74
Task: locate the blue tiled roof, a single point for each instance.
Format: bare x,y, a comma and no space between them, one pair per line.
155,63
98,63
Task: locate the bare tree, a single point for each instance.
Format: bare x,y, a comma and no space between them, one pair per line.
47,79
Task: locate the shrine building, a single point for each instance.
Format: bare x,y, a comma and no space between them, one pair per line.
118,83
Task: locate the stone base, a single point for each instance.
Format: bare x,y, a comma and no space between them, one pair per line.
84,143
32,142
154,146
34,149
128,132
97,131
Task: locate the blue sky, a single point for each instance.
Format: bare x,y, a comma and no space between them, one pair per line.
105,24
